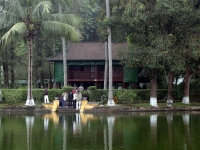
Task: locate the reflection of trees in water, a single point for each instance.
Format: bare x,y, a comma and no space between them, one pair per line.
186,122
153,124
29,126
105,138
64,128
111,121
169,123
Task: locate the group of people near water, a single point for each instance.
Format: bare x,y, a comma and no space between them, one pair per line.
74,98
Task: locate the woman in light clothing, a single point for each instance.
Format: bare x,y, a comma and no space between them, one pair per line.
77,100
65,97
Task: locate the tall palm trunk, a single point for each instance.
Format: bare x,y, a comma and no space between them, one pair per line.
110,90
106,66
64,51
30,100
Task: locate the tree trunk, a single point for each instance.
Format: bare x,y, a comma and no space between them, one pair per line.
50,77
5,69
110,90
153,89
186,82
12,68
106,66
170,85
30,100
64,61
64,52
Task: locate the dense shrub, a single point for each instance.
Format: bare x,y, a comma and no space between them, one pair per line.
125,96
13,96
67,88
20,95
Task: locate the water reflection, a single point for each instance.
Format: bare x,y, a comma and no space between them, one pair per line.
64,133
29,126
170,128
153,124
111,120
46,124
77,124
53,116
186,122
99,131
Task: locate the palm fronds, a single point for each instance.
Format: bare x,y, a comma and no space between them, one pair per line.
61,29
18,28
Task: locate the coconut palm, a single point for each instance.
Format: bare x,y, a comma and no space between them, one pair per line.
25,18
110,86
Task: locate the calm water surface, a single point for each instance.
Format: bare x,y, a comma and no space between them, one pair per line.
130,131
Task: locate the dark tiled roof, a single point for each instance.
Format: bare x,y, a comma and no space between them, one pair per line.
88,51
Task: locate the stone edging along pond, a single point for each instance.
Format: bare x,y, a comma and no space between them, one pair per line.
102,109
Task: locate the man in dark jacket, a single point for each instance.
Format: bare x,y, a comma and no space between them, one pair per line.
70,98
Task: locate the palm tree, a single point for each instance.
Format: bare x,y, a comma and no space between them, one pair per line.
25,18
64,42
106,66
110,87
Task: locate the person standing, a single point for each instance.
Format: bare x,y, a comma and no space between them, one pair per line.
46,98
65,97
81,88
74,99
78,100
70,98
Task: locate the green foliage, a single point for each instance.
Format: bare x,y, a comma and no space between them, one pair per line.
95,94
13,96
126,96
85,93
143,94
92,88
87,12
67,88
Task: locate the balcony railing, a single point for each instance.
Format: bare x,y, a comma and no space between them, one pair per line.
92,75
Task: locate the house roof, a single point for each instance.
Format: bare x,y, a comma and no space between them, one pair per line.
88,51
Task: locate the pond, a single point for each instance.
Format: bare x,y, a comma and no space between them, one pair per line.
124,131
